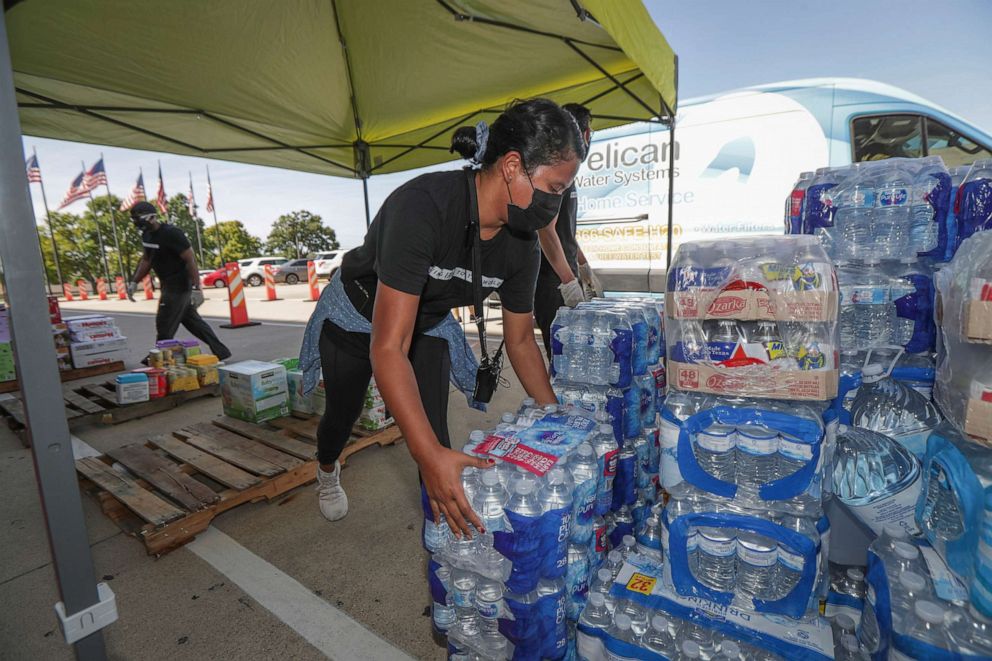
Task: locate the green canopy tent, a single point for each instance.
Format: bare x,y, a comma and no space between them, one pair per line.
341,87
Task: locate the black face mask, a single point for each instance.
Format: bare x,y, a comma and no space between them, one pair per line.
142,223
542,210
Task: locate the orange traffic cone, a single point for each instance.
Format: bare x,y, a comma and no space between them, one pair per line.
83,287
270,285
67,290
236,298
121,288
101,288
312,279
149,289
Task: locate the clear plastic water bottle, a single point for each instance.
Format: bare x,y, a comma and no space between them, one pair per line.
716,564
648,540
614,563
723,340
848,277
875,313
852,217
791,563
637,613
600,368
579,348
926,626
876,478
887,406
794,204
971,632
766,333
931,179
686,274
523,500
606,449
560,341
892,215
622,629
715,449
577,579
602,584
583,467
695,639
817,208
658,639
556,496
908,589
901,286
757,558
681,405
489,500
596,614
757,456
443,614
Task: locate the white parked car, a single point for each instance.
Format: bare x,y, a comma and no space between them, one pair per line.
326,263
252,272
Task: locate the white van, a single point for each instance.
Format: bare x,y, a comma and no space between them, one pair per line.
736,158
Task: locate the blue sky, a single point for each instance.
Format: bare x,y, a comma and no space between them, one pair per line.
941,55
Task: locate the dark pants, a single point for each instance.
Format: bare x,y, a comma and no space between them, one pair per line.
347,373
174,308
547,300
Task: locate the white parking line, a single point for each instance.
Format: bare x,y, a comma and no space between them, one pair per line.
328,629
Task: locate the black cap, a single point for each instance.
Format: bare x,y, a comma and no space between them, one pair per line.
142,209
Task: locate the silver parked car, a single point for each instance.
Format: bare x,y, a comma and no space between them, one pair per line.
252,272
291,272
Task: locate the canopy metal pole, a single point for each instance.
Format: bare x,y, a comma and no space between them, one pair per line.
671,190
365,190
41,389
51,230
113,221
213,209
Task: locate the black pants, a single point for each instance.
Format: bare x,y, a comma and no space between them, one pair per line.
174,308
547,300
347,371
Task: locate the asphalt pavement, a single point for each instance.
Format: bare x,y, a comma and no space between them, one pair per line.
268,580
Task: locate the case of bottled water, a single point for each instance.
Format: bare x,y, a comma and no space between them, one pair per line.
640,617
973,203
756,452
915,608
963,387
753,317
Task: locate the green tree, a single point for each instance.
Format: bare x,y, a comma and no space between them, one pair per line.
300,232
79,250
180,216
105,211
236,242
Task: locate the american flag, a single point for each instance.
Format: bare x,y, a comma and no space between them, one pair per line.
210,198
136,195
34,172
95,176
160,200
190,202
77,190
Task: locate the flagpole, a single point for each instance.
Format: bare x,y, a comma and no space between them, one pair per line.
51,230
96,218
196,223
113,220
213,209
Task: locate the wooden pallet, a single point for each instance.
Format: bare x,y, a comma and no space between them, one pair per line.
175,485
96,403
306,427
71,375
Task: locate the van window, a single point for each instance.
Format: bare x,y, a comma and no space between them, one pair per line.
954,148
265,262
246,263
890,136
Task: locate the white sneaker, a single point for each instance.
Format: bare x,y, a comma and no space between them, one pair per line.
332,498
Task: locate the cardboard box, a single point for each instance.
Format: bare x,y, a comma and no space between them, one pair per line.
753,305
102,352
815,385
374,419
254,391
298,402
54,312
978,420
131,388
978,321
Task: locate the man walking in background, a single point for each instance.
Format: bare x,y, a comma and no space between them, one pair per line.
169,253
564,268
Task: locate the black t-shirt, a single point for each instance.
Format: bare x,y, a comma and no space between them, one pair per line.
565,229
163,246
419,244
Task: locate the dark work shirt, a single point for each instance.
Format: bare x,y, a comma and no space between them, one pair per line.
565,229
163,246
418,244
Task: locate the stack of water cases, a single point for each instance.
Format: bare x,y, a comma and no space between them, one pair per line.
745,437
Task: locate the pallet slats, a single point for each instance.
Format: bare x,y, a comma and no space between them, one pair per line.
139,500
242,444
230,453
165,476
273,439
209,465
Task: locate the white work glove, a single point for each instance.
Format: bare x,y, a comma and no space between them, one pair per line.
196,298
131,288
589,279
571,292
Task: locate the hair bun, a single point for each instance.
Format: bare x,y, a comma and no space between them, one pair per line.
464,142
